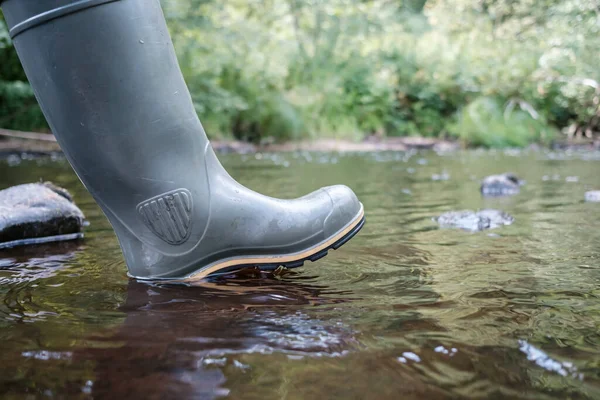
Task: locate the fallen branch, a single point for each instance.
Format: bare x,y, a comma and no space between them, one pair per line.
27,135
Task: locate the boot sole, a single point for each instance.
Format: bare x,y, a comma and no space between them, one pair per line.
288,261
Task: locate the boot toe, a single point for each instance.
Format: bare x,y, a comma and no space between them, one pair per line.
346,209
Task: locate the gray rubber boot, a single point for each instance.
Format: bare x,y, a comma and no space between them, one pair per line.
107,79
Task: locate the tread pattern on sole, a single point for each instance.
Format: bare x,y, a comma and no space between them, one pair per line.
298,263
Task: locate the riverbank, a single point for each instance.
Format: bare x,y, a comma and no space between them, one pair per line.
12,142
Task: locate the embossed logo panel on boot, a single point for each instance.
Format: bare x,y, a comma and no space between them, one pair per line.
169,215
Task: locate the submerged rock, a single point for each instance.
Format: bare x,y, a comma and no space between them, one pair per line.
501,185
38,213
474,221
593,196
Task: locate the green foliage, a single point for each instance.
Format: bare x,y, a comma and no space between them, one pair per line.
18,107
492,72
284,69
490,123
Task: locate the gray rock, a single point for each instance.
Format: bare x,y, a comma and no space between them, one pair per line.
38,213
501,185
593,196
474,221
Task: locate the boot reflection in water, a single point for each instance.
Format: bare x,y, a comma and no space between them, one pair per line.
206,335
108,82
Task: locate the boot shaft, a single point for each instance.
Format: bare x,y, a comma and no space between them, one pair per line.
107,79
109,66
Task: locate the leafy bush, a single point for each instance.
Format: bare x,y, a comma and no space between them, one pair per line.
491,123
18,106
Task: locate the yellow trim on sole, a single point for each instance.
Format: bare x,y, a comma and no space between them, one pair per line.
278,258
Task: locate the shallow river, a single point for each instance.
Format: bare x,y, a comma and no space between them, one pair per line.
404,310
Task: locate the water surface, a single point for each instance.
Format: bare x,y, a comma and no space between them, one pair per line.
404,310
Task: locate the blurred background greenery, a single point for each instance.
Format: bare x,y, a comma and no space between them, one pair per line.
492,73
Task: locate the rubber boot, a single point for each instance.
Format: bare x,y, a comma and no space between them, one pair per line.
107,79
